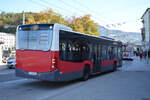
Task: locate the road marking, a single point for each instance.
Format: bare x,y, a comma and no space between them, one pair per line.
13,81
4,73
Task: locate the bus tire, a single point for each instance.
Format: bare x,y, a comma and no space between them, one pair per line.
115,66
86,73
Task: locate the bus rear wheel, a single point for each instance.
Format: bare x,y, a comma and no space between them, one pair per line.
86,73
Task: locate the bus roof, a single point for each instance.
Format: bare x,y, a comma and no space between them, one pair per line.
70,30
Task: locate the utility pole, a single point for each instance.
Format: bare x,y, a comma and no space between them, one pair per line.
23,18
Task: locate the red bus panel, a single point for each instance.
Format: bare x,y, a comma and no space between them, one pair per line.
33,61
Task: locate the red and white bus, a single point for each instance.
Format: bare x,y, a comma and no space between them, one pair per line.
128,52
54,52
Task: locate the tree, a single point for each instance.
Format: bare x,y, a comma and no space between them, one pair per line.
29,18
85,25
1,23
46,16
77,25
82,24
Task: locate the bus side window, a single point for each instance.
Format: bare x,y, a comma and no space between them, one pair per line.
85,51
102,49
103,52
95,55
76,54
69,51
110,52
119,53
115,52
107,54
99,52
62,47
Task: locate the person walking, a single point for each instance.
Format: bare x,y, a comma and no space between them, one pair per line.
148,55
141,55
145,54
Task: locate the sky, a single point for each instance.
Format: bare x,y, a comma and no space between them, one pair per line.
113,14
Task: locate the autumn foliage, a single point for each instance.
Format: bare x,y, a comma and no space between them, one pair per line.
82,24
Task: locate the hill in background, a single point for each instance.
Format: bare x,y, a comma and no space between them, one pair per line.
132,37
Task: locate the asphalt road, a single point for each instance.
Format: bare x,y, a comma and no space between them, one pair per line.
130,82
7,74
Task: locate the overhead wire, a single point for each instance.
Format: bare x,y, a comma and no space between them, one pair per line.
45,3
72,7
89,9
56,6
107,25
39,4
68,5
79,10
32,1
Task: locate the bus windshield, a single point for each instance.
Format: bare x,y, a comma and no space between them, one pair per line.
34,37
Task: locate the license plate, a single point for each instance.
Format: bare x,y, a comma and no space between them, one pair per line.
32,73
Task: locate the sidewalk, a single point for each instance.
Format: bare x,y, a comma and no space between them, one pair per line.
2,65
2,68
136,65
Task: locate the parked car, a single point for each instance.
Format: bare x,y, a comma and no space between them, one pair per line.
11,63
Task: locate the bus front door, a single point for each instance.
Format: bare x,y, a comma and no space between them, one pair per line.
97,61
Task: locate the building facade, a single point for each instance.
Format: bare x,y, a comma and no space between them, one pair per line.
8,41
145,31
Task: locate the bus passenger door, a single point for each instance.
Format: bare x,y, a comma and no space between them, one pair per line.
97,58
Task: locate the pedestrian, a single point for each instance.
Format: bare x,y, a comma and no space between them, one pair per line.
141,55
148,55
134,53
145,54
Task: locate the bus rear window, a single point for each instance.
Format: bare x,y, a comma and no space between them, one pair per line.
34,37
36,27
